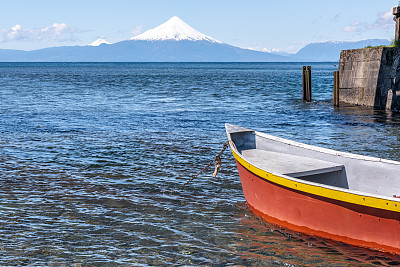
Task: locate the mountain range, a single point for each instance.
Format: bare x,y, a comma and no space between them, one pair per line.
330,51
176,41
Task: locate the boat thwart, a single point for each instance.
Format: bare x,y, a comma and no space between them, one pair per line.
318,191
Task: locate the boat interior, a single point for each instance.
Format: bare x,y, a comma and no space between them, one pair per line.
318,165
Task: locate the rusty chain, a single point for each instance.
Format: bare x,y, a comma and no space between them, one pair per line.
218,164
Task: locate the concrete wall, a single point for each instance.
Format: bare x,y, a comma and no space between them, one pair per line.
368,76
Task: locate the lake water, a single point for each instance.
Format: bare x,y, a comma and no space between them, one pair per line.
92,157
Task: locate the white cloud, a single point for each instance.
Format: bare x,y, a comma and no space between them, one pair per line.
354,27
136,30
59,32
383,22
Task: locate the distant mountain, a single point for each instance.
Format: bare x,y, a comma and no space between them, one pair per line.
172,41
282,53
99,41
330,51
174,29
176,41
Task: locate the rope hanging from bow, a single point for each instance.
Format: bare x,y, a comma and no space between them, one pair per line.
218,164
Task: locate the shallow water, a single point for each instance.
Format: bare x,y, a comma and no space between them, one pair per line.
92,156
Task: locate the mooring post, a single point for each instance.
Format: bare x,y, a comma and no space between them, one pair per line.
335,97
304,83
389,100
307,83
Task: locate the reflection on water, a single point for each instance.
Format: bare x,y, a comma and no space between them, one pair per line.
270,244
92,156
377,131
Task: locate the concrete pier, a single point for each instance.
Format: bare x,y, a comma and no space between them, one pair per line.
370,77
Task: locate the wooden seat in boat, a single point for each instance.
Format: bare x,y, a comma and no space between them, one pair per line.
287,164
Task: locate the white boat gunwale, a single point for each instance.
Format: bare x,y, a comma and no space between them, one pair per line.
331,192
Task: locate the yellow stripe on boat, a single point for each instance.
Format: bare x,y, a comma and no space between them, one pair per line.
358,199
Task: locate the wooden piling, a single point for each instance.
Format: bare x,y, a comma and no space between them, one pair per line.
335,97
304,83
389,100
307,83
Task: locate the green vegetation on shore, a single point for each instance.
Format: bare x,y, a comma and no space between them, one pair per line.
395,43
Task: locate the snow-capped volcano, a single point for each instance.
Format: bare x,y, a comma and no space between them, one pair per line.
174,29
99,41
172,41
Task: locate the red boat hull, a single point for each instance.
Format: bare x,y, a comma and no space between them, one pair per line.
354,224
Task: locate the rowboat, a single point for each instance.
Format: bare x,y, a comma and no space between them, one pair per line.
318,191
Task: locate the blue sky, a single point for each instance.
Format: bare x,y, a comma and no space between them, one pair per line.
280,25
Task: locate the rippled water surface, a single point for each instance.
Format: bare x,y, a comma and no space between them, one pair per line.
92,157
